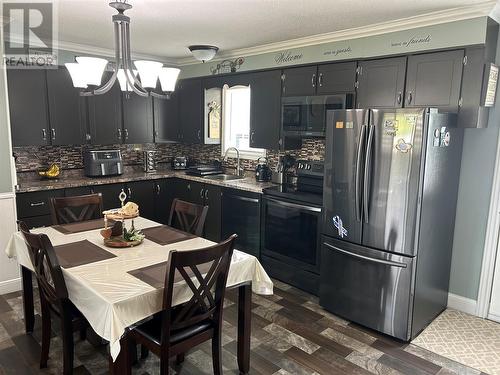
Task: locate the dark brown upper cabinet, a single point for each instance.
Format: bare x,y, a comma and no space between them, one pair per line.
336,78
29,115
105,116
299,81
137,119
191,111
265,110
166,119
67,109
434,79
381,83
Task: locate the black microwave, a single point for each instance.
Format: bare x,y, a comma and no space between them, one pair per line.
305,116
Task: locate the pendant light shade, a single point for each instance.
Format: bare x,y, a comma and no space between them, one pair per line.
93,68
148,72
122,79
77,75
168,78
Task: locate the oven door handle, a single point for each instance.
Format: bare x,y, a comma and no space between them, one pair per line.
295,205
369,259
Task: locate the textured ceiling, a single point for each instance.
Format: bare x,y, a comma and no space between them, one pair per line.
165,28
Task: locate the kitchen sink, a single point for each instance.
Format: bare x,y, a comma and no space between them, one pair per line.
223,177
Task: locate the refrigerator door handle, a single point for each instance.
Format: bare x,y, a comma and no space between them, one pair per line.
369,259
358,173
367,173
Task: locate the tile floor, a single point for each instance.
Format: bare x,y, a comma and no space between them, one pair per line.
291,334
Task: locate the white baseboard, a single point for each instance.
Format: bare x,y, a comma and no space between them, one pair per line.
494,317
463,304
10,286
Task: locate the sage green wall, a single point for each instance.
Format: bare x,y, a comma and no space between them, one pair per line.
446,35
476,178
5,150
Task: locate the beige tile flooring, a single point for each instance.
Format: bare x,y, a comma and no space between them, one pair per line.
464,338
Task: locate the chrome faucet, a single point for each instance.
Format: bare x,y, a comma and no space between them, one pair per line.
238,168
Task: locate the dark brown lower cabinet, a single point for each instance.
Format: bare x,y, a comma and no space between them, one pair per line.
204,194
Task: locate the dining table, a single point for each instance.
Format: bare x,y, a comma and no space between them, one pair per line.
116,288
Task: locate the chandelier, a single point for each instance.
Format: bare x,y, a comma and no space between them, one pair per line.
86,73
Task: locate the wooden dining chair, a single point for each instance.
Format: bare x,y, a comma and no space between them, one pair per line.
188,217
65,210
53,297
173,331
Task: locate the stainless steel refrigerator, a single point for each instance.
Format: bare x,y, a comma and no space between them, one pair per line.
389,200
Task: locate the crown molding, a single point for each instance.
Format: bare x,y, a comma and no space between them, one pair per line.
106,52
97,51
434,18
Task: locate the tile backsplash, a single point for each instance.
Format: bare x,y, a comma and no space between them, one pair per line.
32,158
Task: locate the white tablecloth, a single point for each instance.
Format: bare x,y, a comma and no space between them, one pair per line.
110,298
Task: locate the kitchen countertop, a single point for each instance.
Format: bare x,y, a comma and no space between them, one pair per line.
29,183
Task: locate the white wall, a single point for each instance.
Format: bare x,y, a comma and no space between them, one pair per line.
9,269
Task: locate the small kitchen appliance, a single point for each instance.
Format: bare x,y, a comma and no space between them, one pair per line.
101,163
149,161
179,162
204,170
262,171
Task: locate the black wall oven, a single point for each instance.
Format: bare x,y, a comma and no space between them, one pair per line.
305,116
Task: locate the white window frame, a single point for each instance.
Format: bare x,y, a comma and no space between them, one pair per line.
244,154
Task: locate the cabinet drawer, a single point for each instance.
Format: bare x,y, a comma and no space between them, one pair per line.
38,221
35,204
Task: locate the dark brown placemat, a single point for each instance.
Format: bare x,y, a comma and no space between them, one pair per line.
81,252
81,226
165,235
154,275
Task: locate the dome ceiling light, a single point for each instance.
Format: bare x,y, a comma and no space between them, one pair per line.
203,52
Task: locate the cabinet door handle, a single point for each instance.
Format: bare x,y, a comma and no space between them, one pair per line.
126,134
44,134
53,131
158,189
320,79
252,133
189,186
399,97
119,134
201,193
36,204
129,193
410,97
199,134
313,80
206,194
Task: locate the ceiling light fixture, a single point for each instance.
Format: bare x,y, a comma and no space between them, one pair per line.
203,52
87,72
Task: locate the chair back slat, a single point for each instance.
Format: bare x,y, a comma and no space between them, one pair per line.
188,217
67,210
46,266
205,273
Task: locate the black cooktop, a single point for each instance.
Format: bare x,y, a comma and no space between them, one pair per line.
290,192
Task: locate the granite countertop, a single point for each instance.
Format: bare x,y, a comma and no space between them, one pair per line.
31,183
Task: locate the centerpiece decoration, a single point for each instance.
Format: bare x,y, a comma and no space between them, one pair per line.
118,235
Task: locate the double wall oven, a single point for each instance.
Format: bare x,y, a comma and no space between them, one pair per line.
291,228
